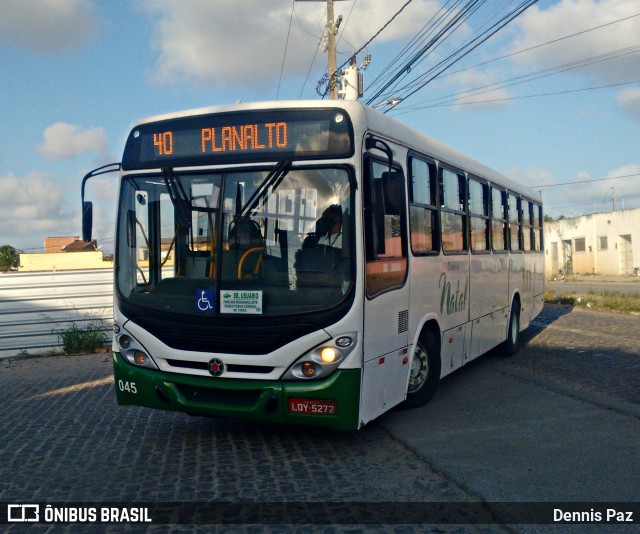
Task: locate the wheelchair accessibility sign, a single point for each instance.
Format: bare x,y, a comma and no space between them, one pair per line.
205,300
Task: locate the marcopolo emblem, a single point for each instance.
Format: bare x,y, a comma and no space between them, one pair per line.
216,367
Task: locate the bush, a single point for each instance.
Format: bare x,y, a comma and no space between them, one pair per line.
76,340
9,258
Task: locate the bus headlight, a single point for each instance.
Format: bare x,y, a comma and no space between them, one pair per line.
134,352
321,361
328,355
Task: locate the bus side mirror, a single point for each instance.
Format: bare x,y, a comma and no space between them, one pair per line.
87,207
87,220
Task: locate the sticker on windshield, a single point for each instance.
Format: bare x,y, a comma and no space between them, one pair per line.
205,300
246,302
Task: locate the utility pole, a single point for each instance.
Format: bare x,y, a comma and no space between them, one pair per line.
331,31
331,52
613,199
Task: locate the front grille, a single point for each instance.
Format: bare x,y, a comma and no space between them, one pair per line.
233,339
231,368
219,396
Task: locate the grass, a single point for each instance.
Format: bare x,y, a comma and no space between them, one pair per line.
616,301
78,340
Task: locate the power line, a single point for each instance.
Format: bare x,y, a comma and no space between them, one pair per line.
522,96
286,45
449,26
338,69
538,46
586,181
309,71
417,40
472,45
525,78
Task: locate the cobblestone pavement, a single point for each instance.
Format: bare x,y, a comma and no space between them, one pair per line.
64,439
588,351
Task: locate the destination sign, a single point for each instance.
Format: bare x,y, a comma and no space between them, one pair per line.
239,137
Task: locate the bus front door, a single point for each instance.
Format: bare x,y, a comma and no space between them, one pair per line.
386,308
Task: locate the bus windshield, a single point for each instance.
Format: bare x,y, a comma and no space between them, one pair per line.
240,242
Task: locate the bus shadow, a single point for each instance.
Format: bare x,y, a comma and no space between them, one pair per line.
550,314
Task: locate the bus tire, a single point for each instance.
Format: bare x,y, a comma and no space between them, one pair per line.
512,344
424,374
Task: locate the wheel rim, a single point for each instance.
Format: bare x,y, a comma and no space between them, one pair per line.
419,369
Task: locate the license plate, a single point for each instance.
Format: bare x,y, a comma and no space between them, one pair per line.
313,406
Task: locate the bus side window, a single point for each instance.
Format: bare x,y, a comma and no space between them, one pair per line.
498,220
423,212
537,227
515,222
527,226
384,228
453,218
479,221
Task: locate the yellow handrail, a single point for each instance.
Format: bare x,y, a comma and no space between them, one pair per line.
243,257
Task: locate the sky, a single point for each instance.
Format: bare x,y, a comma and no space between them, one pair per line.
551,100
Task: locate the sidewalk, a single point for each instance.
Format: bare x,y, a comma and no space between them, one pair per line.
595,278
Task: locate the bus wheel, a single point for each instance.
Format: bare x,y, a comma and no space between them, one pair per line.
425,372
512,343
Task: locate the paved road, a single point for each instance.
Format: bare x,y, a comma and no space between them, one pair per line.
560,421
587,285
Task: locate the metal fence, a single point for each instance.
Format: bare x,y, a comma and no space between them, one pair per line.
34,307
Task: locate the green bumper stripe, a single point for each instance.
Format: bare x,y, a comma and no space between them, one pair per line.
263,400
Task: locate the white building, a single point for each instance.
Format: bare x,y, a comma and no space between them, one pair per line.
601,243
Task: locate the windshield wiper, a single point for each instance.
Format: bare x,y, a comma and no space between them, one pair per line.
273,179
179,198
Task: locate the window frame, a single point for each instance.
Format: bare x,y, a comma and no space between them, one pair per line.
518,207
486,215
432,207
368,162
502,219
461,211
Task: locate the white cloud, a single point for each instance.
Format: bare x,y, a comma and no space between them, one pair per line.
242,42
42,206
629,100
63,140
539,25
36,206
47,25
476,90
583,193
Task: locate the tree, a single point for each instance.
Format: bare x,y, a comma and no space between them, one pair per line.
9,258
548,218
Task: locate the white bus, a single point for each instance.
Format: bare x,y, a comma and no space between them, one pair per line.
310,262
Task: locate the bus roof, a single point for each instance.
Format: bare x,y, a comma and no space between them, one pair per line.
375,121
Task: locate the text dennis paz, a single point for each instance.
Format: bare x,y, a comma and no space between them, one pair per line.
608,515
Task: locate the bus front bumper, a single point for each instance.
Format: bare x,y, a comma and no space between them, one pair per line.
332,402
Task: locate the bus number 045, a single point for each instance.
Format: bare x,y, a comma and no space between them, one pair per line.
129,387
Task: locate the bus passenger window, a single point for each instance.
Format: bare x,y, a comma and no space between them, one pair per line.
479,215
498,220
537,227
453,218
515,222
527,216
423,211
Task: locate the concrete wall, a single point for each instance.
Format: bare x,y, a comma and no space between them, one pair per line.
62,261
602,243
33,306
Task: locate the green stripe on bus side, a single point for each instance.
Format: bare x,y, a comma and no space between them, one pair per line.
138,385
